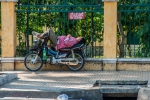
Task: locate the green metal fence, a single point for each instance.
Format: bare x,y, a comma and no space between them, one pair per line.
134,28
40,15
0,35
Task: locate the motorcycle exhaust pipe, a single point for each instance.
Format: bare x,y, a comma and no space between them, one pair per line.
66,61
69,61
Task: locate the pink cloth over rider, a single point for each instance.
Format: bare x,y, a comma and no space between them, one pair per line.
62,43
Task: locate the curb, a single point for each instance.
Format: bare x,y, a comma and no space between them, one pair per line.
85,94
7,77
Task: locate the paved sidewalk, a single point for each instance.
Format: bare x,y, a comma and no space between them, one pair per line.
56,82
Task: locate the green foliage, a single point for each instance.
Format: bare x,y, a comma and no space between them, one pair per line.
135,17
35,15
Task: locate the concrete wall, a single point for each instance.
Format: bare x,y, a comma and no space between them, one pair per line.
138,64
90,64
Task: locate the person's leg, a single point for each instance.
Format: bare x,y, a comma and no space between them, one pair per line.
41,34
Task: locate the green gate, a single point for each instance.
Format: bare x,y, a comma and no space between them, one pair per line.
134,30
63,17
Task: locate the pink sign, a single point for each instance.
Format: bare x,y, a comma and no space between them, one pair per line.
76,15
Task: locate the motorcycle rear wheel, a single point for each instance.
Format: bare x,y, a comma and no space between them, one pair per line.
80,64
30,62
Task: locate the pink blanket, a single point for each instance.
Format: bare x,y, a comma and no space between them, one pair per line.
62,43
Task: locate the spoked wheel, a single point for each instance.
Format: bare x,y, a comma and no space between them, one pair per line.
80,64
33,62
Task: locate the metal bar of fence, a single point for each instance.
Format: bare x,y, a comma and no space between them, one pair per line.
133,5
134,10
47,11
85,6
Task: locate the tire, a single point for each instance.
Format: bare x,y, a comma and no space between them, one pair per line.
33,66
80,65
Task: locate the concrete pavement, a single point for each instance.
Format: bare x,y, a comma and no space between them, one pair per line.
50,84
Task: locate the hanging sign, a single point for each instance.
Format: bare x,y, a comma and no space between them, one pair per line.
74,16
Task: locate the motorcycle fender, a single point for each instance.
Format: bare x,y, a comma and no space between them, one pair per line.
36,50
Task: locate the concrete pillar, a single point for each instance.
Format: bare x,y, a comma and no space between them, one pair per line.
8,20
110,34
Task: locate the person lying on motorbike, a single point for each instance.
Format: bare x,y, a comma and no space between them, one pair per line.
60,42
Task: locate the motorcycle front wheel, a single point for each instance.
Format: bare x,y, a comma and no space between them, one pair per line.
80,64
33,62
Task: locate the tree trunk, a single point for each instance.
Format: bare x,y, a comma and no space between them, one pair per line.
122,37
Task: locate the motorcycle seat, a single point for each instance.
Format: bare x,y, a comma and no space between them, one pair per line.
77,46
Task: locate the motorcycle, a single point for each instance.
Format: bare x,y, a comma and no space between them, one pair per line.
72,57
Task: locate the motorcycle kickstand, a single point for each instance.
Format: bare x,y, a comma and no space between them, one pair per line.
60,68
